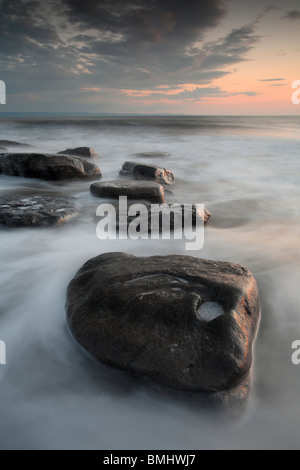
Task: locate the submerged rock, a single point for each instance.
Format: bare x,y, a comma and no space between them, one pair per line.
153,154
35,210
47,166
12,143
85,152
185,322
149,190
142,171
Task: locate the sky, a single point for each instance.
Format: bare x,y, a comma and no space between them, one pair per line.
204,57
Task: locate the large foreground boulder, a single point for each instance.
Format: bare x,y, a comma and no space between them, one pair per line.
85,152
142,171
33,210
47,166
149,190
186,322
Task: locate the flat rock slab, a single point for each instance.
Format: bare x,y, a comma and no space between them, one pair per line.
85,152
149,190
154,155
186,322
35,210
47,166
142,171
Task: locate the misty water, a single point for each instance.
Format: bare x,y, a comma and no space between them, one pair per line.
246,172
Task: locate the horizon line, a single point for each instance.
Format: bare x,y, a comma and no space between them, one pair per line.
80,113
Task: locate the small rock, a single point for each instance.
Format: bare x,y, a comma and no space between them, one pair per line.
85,152
47,166
149,190
2,150
142,171
28,210
186,322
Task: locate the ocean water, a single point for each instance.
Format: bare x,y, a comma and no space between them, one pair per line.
246,171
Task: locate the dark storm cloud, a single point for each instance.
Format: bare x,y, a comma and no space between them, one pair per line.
21,26
65,45
292,15
231,49
149,35
149,21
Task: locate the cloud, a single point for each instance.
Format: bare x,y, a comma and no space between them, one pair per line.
186,92
81,48
118,41
232,48
272,79
292,15
271,8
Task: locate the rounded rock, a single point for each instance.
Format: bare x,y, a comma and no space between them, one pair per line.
186,322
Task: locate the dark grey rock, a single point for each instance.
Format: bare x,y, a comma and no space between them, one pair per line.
85,152
185,322
47,166
142,171
34,210
12,143
154,215
149,190
154,154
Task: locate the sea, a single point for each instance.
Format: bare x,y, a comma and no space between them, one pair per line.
246,172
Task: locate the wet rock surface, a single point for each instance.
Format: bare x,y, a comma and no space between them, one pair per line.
142,171
47,166
32,210
182,321
149,190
